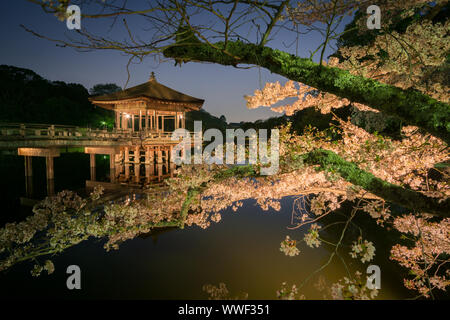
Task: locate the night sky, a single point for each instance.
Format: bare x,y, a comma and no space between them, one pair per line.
222,87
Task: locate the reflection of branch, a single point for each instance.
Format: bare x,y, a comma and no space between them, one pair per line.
424,259
352,215
314,220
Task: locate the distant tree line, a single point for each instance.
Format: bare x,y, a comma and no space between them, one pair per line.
207,119
27,97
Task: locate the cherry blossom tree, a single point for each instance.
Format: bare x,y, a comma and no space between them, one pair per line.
399,71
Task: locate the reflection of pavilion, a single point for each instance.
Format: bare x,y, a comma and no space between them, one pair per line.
138,147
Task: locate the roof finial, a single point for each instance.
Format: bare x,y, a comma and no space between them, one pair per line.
152,77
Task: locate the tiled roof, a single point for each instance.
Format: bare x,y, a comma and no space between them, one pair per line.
151,89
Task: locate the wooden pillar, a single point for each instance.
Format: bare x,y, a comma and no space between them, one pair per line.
137,164
50,168
112,168
51,187
162,123
160,163
126,161
28,166
28,176
166,159
146,120
172,163
183,124
151,121
152,162
117,119
149,164
124,121
154,121
50,175
118,164
92,165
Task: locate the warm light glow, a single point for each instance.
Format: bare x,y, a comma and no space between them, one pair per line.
127,115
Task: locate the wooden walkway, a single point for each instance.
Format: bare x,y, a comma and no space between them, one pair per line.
137,158
20,135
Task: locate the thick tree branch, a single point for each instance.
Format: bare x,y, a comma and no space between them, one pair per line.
416,201
331,162
412,106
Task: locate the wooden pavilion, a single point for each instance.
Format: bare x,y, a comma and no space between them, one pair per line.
147,114
150,106
139,147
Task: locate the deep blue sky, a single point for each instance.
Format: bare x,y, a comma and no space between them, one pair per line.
222,87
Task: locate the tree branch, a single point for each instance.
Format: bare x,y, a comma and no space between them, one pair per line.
411,106
328,160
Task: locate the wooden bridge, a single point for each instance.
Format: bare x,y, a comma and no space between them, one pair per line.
139,147
21,135
136,157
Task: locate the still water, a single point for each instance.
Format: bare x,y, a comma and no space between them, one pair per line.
241,251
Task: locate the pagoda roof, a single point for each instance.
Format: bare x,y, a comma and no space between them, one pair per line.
150,91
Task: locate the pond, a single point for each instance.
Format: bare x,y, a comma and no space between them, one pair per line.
242,251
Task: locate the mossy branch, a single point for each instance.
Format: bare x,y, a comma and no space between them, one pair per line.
411,106
191,194
330,161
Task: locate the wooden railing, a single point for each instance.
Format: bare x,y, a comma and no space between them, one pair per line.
10,131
